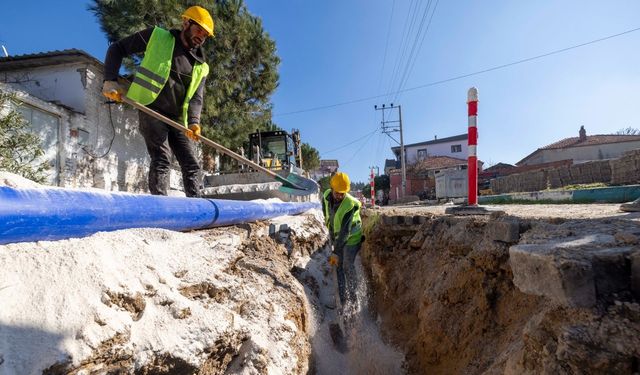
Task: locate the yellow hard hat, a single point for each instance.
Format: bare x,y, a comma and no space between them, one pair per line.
340,183
200,16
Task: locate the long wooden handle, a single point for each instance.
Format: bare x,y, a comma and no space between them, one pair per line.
205,140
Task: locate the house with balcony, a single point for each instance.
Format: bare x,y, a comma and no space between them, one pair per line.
454,147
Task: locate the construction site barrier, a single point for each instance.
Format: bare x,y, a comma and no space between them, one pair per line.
28,215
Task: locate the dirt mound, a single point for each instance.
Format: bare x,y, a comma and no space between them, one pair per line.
152,301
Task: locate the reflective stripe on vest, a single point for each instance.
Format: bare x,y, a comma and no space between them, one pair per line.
153,72
347,204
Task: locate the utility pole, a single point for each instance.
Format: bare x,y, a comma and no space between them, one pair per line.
388,127
373,190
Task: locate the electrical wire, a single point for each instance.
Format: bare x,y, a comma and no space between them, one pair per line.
359,149
407,74
413,46
555,52
413,7
350,143
113,128
386,46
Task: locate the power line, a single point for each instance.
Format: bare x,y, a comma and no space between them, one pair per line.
350,143
460,76
413,47
386,45
413,63
404,41
359,149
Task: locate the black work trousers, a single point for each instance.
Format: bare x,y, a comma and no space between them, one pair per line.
161,140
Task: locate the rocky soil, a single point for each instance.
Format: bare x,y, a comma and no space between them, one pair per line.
537,290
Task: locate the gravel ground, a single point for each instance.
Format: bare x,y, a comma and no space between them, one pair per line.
568,211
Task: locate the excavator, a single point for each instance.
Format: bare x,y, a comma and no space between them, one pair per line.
276,150
279,152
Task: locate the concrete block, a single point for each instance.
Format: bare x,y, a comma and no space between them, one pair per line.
504,230
401,220
544,270
635,274
392,220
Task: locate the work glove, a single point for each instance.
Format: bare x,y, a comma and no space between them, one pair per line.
112,90
193,132
333,259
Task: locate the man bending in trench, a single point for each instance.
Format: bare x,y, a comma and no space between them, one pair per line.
342,217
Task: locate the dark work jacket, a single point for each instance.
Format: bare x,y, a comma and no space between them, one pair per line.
169,101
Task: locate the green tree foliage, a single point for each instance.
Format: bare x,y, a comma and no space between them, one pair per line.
379,183
241,56
20,149
382,182
310,157
366,191
324,183
356,186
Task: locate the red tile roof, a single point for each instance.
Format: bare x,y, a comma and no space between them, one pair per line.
591,140
437,162
599,139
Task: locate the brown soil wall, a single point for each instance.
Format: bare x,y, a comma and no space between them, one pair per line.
444,291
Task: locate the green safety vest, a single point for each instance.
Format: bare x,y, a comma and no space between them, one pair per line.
347,204
153,72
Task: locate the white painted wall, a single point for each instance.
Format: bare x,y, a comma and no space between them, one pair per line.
62,83
438,149
85,129
585,153
51,119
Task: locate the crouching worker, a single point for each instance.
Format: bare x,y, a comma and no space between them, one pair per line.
342,217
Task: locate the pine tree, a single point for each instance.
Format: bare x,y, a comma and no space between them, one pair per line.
310,157
20,149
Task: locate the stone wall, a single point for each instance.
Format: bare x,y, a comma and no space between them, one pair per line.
624,170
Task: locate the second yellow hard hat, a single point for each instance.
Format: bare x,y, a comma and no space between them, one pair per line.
340,183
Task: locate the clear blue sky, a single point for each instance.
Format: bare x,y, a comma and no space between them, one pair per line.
334,52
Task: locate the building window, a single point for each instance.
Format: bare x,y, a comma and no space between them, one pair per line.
422,154
456,148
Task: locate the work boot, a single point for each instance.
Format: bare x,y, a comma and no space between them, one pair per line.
631,206
338,338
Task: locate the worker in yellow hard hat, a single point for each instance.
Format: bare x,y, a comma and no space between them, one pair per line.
170,80
342,217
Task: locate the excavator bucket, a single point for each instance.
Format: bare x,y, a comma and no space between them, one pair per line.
297,185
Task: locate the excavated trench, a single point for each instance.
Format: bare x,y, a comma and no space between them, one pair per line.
504,294
438,294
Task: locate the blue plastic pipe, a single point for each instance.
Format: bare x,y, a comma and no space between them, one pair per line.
28,215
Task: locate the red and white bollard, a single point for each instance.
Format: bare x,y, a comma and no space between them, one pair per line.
472,159
373,190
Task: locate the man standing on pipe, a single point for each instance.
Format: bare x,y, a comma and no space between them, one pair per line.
170,80
342,217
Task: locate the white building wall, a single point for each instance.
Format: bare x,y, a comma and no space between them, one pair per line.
49,130
61,83
438,149
84,152
586,153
